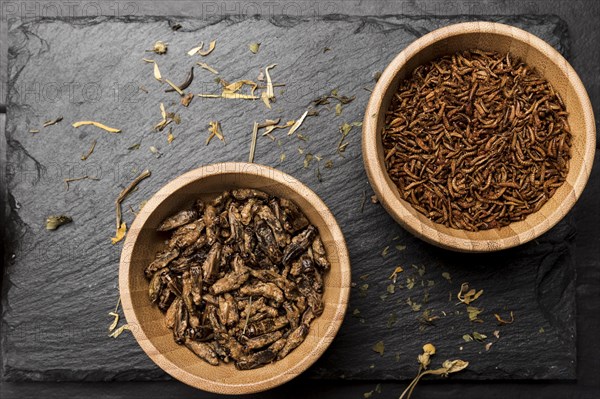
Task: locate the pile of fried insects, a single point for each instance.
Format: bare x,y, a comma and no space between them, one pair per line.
240,279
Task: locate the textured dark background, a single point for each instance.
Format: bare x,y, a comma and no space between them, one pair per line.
584,215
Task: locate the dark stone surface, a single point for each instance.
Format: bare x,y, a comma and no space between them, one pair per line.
59,286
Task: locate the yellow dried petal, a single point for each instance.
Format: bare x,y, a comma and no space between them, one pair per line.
98,125
157,74
120,234
429,348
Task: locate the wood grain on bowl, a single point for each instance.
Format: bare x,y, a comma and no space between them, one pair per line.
536,54
148,324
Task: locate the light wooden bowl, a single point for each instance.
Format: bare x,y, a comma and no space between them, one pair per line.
534,52
148,323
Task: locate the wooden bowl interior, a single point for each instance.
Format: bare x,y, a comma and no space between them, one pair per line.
157,340
557,74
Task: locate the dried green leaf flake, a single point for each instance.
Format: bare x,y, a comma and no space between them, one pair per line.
379,347
254,47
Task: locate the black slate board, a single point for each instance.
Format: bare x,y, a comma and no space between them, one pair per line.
58,286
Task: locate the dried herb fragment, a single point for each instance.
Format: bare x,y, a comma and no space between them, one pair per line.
121,227
157,74
170,136
427,317
394,274
232,90
54,222
90,151
34,130
120,330
385,251
204,65
253,142
344,130
413,305
98,125
120,234
174,87
114,314
167,118
187,99
479,337
53,121
323,100
214,128
254,47
467,296
501,321
211,47
338,109
195,50
115,322
186,83
473,313
297,124
159,47
448,367
268,95
379,347
69,180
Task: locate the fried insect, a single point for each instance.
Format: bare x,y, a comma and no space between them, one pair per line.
240,279
203,350
178,220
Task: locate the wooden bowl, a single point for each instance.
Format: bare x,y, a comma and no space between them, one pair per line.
534,52
148,323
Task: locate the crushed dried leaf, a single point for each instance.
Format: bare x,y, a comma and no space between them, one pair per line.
379,347
466,295
254,47
473,313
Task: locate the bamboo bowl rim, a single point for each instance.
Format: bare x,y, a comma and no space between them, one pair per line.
324,336
440,235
